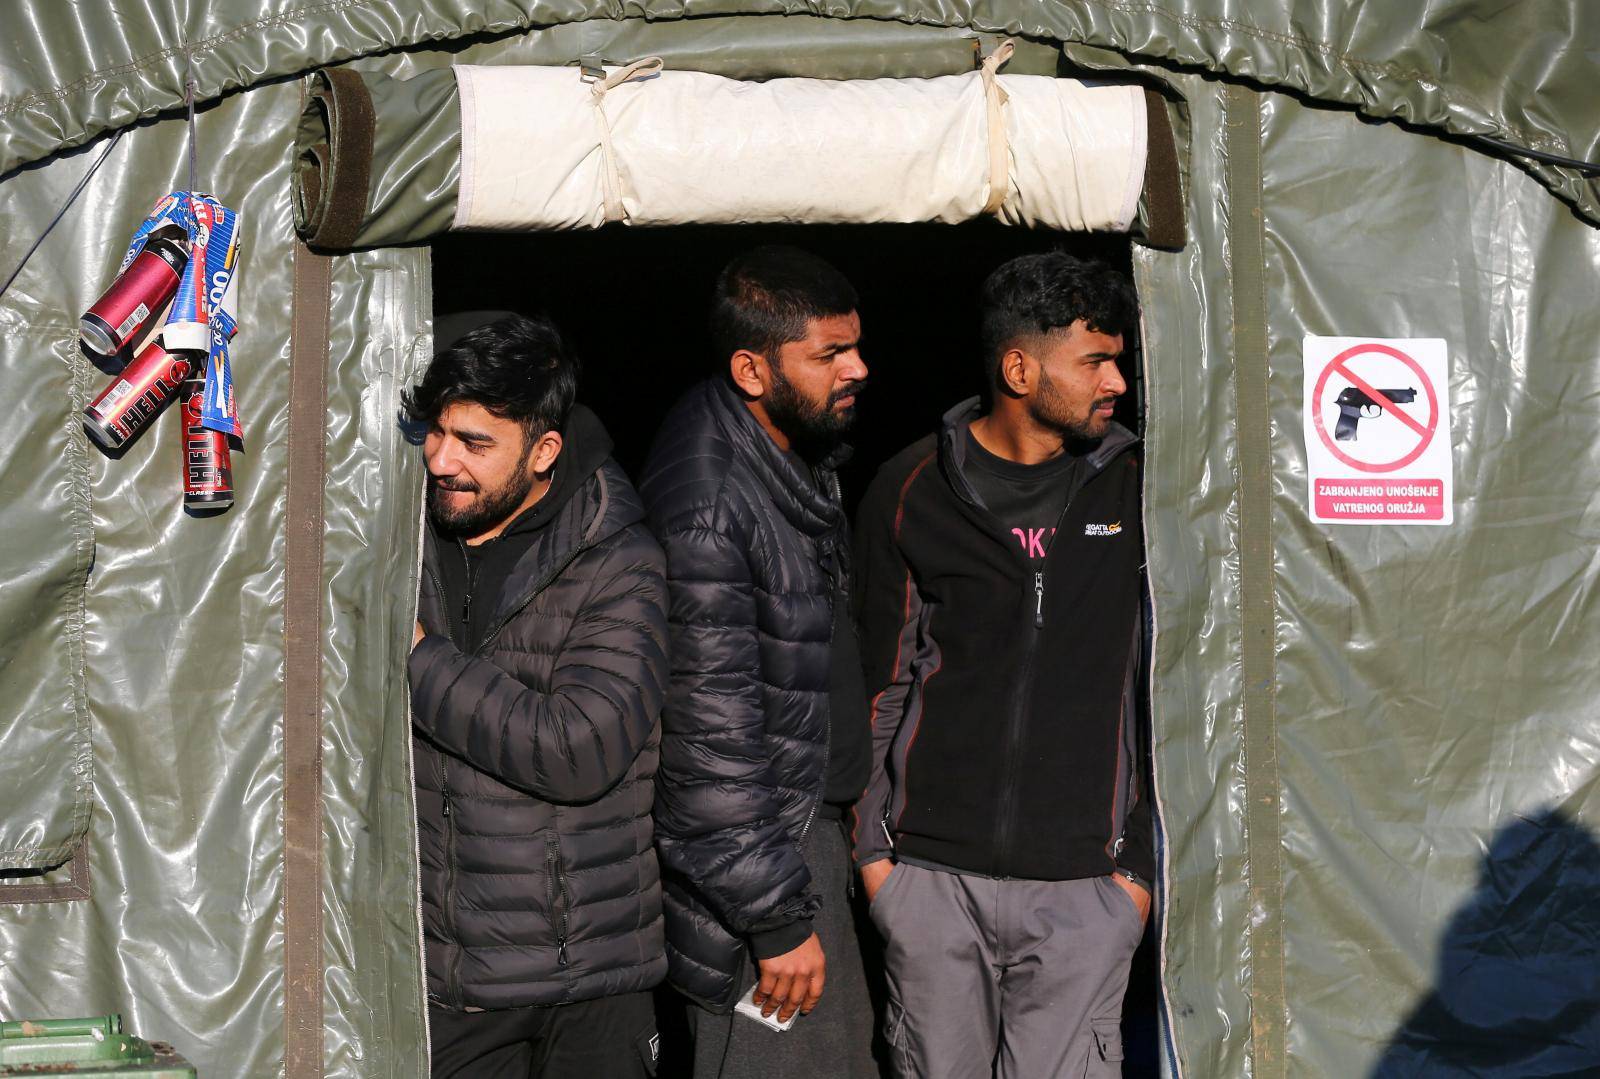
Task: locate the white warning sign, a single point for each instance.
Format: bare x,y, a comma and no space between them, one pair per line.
1377,418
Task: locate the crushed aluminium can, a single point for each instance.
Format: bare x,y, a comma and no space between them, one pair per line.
137,395
138,295
207,467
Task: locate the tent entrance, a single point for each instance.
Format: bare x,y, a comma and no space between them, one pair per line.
634,301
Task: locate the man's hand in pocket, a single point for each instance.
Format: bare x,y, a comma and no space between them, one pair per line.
873,874
1140,897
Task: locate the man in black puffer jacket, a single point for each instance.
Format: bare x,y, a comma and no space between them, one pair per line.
765,740
536,682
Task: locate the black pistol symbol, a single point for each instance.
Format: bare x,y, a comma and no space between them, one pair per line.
1355,406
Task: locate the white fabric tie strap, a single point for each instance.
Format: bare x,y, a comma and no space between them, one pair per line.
612,176
999,155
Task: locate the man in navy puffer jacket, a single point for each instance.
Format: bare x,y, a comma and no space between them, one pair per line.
765,740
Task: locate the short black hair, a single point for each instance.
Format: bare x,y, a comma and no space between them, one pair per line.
517,367
1035,294
765,298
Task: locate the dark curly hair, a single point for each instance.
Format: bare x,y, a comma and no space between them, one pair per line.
517,367
1034,294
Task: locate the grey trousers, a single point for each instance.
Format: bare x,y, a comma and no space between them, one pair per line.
1013,979
835,1040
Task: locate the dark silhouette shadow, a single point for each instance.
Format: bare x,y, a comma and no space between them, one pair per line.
1518,990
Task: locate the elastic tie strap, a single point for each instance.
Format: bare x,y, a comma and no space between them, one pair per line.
611,175
995,98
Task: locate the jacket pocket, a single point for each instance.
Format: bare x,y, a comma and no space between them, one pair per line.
555,883
878,907
1124,902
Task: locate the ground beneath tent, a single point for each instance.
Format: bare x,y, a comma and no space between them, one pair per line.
634,301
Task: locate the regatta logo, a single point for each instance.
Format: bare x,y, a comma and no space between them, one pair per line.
1102,530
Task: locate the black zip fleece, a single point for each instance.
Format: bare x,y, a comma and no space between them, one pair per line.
1002,699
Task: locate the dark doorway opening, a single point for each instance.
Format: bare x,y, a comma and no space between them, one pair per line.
633,301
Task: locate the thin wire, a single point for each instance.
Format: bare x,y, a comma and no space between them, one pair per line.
65,206
1541,155
188,101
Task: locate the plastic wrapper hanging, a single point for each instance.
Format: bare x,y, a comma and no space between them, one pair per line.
200,319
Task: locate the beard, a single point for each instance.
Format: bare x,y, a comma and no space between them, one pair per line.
1050,408
482,513
814,430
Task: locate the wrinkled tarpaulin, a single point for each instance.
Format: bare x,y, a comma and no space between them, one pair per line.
1376,747
1523,73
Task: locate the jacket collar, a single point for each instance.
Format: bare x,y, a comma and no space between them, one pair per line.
809,504
953,447
600,504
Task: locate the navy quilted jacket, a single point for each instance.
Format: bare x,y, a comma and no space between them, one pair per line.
752,543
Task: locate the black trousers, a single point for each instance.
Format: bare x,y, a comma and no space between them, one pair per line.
608,1038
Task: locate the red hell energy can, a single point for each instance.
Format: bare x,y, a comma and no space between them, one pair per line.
132,400
139,294
207,470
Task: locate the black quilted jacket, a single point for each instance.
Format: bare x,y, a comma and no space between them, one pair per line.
535,766
752,548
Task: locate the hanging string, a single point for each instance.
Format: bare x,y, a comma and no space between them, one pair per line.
65,206
188,104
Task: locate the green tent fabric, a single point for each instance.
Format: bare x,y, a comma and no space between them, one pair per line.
1374,747
1519,72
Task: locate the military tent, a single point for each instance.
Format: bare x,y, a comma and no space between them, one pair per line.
1374,747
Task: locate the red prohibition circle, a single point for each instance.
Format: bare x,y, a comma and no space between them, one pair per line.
1416,369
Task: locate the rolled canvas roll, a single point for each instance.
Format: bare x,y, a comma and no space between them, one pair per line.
696,148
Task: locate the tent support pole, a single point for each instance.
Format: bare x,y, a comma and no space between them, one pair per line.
1257,605
302,666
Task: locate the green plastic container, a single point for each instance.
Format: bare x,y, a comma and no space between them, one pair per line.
83,1047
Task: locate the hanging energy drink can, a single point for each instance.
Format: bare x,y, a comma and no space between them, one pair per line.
137,295
207,470
134,397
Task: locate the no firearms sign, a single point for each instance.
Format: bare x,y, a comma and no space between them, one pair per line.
1377,430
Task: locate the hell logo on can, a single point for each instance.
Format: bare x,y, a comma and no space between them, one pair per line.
134,397
207,467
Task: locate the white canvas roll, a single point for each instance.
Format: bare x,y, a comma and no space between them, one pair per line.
696,148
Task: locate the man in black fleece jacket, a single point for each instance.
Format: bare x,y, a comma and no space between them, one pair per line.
1005,836
536,682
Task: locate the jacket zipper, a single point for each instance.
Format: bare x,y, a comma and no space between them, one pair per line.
453,980
1024,695
466,601
544,582
453,975
556,890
